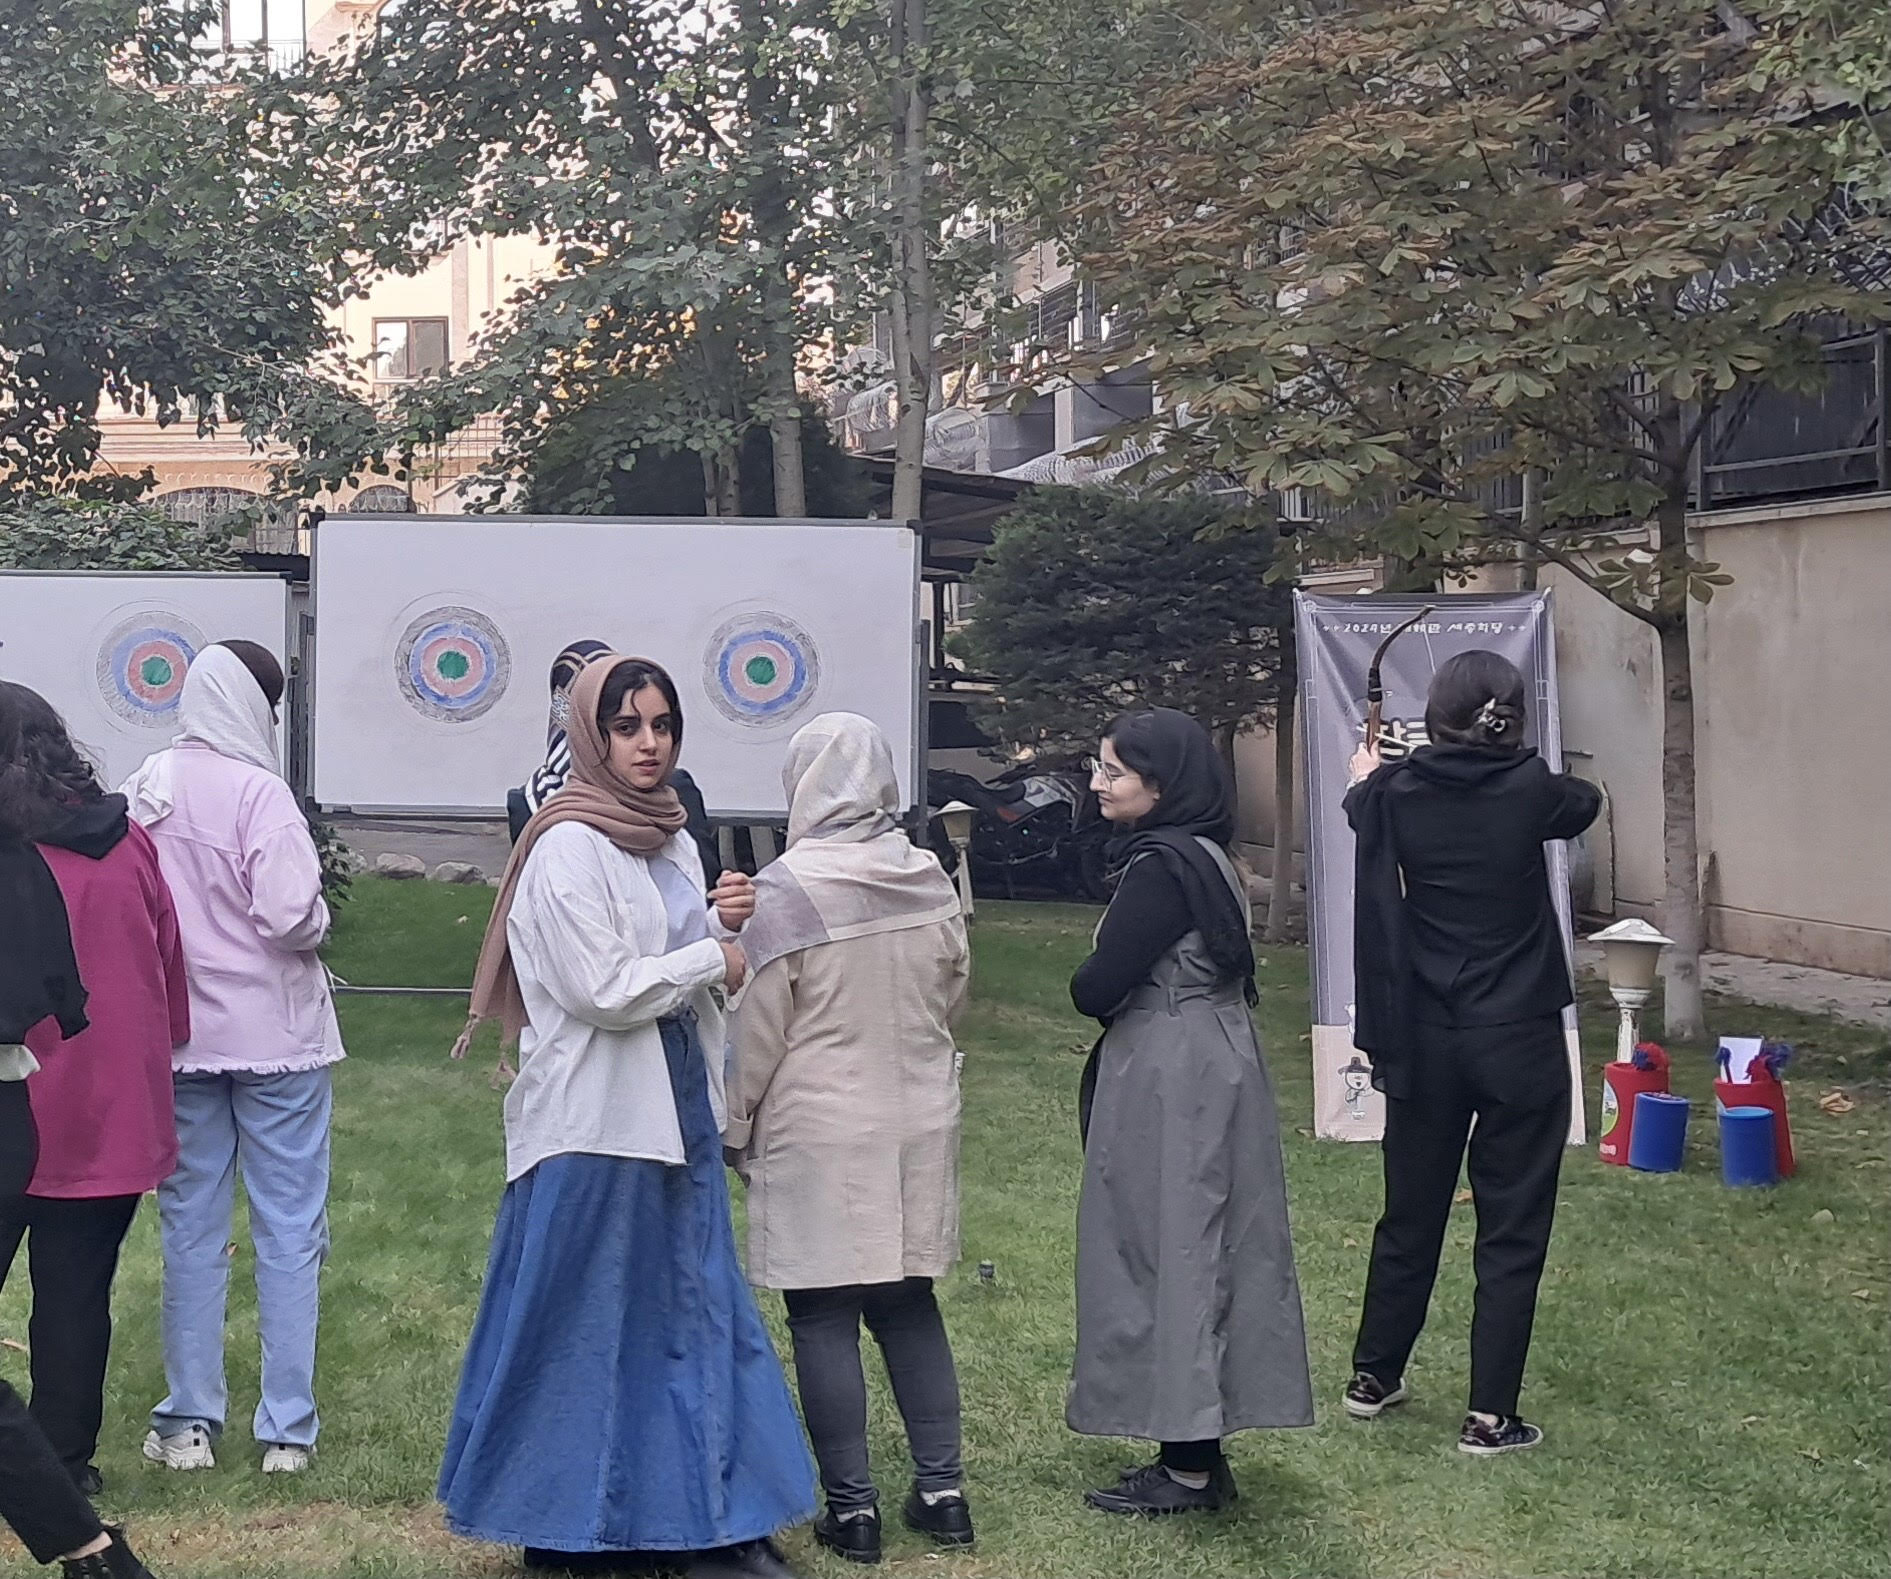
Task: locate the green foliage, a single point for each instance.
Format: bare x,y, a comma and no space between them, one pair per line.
1407,251
1837,55
1093,601
674,158
338,863
68,533
151,251
577,469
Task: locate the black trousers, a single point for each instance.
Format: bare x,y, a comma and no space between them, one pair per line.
72,1256
1507,1087
37,1496
905,1321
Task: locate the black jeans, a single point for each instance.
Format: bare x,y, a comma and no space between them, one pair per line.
905,1321
1514,1081
72,1256
37,1496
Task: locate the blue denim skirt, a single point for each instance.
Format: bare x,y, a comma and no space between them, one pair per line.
620,1392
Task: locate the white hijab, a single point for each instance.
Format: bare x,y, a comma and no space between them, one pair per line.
221,707
849,871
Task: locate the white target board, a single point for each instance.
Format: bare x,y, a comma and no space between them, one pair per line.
110,649
435,635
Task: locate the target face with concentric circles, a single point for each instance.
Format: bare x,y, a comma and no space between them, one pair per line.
452,664
141,667
761,668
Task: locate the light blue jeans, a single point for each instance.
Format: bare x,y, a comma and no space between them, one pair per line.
276,1126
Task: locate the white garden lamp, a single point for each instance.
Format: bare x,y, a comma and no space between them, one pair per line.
1630,952
956,819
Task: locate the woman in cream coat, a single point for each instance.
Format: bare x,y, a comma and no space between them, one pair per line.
844,1120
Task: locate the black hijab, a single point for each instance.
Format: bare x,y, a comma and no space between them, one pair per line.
1196,801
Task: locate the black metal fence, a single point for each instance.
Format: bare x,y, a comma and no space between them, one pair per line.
1766,444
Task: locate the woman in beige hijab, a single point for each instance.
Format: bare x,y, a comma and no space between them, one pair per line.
844,1120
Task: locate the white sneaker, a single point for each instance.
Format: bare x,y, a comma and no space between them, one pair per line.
282,1458
186,1449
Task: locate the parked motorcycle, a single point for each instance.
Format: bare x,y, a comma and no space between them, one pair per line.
1032,832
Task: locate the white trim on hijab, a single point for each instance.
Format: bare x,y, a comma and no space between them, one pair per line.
221,707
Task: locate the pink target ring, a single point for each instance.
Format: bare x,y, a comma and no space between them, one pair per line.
140,668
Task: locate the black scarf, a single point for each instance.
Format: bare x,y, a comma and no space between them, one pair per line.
39,977
1196,801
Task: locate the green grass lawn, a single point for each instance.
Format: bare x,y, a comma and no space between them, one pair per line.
1711,1367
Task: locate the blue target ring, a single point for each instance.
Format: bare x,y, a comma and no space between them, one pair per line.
761,669
141,667
453,665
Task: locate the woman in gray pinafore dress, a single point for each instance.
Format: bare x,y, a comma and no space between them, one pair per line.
1188,1308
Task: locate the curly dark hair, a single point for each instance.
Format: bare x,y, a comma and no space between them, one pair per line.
43,775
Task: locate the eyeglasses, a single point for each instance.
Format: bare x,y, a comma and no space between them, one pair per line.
1101,769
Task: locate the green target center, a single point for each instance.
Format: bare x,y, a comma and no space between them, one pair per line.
760,670
453,665
155,671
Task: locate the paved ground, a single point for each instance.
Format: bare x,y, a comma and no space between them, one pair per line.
481,844
1863,1000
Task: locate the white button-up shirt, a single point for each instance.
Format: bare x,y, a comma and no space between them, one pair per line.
590,936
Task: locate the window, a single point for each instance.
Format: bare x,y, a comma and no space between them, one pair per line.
409,347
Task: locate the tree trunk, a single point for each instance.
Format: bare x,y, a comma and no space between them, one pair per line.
784,435
1681,918
712,484
912,270
729,482
1280,901
774,227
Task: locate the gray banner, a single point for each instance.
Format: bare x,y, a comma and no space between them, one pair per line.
1337,637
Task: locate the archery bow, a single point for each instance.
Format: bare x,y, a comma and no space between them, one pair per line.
1375,689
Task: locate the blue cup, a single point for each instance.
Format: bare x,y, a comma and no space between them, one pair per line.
1659,1135
1748,1160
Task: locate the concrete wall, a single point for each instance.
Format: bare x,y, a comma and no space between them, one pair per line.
1793,733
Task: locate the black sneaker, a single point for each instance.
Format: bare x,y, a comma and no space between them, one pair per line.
1367,1397
1222,1478
945,1522
89,1481
1152,1492
117,1561
1509,1435
856,1537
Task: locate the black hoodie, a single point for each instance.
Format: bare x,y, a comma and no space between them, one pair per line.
38,974
93,829
1452,918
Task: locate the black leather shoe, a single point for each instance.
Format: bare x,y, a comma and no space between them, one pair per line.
1152,1492
546,1560
117,1561
947,1522
89,1481
856,1538
750,1560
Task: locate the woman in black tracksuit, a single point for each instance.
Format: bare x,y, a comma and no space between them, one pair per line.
1462,980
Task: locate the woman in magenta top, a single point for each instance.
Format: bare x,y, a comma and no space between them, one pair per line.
102,1099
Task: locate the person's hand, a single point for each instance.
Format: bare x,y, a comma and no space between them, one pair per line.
734,899
737,966
1364,764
